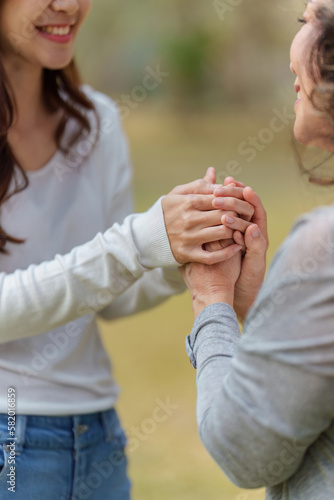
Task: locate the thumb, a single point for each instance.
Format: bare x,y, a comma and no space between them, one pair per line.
256,247
210,175
260,215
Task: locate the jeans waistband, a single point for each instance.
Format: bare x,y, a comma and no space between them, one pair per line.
58,431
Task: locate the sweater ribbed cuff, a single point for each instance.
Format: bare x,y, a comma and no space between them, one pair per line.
215,328
151,239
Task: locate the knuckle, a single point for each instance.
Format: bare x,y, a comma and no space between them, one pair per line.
182,256
186,218
187,223
232,203
227,233
199,185
191,201
232,213
210,259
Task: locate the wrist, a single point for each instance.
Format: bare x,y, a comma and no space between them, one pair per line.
242,309
202,300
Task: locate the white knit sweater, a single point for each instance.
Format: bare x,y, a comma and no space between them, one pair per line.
79,258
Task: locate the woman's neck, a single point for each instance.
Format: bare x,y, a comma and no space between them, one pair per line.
26,83
32,136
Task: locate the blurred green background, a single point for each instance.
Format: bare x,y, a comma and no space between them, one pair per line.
225,99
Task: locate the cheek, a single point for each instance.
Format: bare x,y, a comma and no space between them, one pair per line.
301,50
85,6
294,51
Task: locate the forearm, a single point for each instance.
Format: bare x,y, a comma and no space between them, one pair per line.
153,288
265,398
211,347
48,295
232,409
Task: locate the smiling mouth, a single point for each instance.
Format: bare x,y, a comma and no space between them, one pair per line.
299,98
55,30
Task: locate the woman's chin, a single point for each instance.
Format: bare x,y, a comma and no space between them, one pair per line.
326,144
314,130
300,135
305,135
58,63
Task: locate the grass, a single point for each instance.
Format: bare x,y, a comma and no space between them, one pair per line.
167,460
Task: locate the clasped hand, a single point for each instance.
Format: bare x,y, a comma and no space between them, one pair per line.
220,234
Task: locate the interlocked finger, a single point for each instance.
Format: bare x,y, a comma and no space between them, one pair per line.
215,234
204,257
231,191
235,223
243,208
210,219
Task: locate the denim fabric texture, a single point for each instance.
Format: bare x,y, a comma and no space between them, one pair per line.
64,458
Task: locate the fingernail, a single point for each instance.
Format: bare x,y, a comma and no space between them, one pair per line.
255,233
219,192
229,220
237,249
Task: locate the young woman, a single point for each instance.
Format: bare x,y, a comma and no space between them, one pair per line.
266,400
66,254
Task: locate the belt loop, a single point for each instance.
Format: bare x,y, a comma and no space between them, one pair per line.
20,431
109,419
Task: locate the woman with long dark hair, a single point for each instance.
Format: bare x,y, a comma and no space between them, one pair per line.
266,400
71,248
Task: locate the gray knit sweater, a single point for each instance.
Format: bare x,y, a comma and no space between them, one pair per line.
265,404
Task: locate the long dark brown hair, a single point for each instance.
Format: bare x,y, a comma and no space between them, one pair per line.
61,90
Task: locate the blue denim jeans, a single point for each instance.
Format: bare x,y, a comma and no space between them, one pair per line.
64,458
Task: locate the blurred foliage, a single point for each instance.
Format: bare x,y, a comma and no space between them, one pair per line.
187,56
218,53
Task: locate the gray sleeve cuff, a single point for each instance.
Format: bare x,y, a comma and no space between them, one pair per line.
215,331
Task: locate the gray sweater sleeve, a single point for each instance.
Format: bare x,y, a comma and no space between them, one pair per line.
266,397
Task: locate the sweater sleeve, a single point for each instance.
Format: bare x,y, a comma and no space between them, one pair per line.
266,397
153,288
92,275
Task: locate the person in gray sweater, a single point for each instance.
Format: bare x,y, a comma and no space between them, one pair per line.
265,404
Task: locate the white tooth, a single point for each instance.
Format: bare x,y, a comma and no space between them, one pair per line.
54,30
